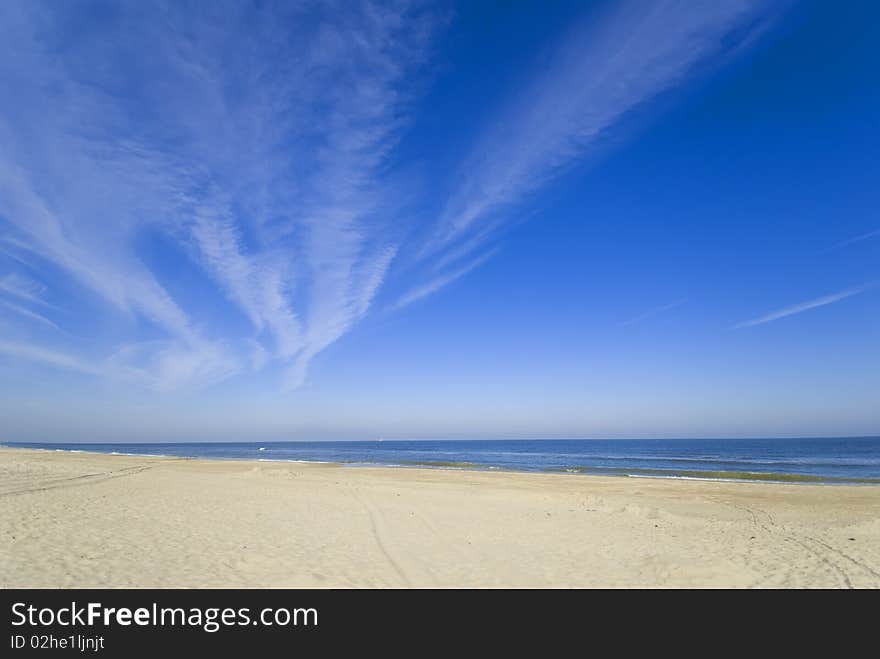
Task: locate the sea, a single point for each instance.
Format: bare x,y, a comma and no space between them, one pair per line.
830,460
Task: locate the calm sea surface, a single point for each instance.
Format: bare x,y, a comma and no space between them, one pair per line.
827,460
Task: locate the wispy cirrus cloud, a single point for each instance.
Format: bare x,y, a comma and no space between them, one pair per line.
856,239
805,306
24,288
442,281
255,143
50,357
31,315
252,138
596,75
653,312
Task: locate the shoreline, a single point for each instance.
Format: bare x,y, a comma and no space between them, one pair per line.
721,476
100,520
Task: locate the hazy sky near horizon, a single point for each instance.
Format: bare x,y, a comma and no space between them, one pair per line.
316,220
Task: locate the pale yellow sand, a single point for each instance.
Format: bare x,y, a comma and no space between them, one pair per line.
78,519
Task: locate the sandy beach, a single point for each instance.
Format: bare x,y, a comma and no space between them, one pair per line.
91,520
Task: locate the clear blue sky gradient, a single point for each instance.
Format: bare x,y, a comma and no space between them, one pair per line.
257,221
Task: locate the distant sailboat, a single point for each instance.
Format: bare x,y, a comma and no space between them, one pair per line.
262,448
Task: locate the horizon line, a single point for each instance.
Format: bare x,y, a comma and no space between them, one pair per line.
6,444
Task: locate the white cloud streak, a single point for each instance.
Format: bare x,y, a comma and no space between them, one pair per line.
31,315
593,79
253,140
653,312
804,306
256,142
23,288
441,281
51,358
857,239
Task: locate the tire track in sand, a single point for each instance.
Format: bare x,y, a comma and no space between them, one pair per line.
381,536
76,481
820,552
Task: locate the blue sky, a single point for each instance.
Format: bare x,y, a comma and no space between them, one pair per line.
238,221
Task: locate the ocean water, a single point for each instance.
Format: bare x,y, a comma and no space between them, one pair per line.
824,460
